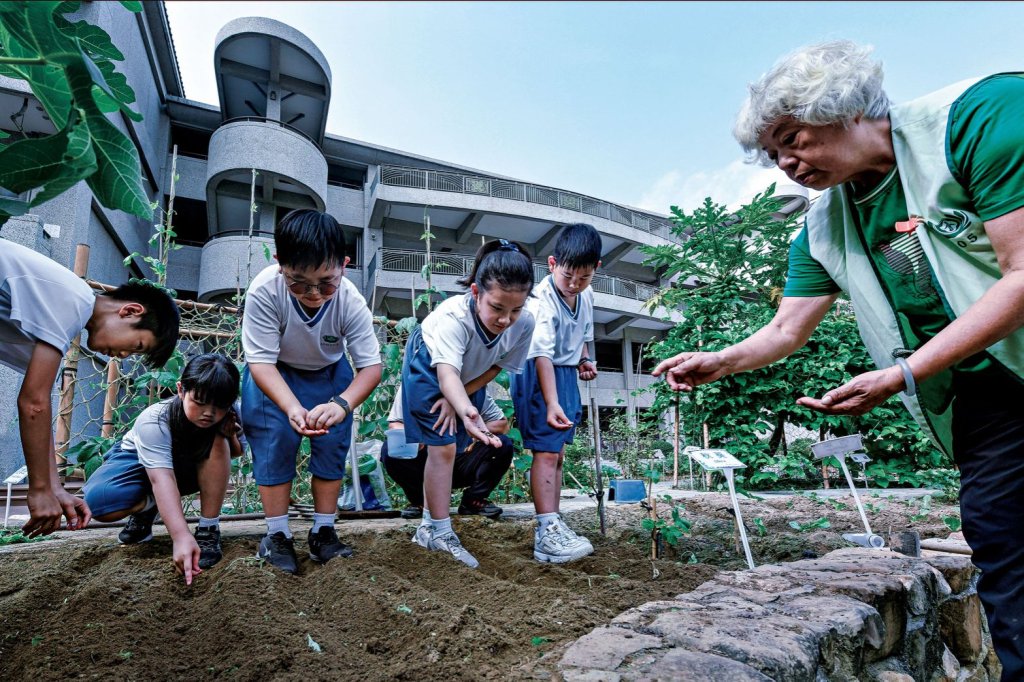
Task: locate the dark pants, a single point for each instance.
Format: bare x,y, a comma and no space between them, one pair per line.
988,444
479,470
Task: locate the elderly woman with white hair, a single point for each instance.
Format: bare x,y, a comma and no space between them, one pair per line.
921,223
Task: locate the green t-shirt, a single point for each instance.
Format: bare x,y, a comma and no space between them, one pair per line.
985,153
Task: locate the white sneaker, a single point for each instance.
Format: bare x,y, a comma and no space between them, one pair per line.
450,543
422,536
572,535
557,544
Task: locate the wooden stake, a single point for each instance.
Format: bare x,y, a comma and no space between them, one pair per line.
675,450
70,373
113,375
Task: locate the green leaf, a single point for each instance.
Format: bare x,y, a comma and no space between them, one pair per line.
93,39
32,25
537,641
132,5
54,163
48,82
117,182
11,207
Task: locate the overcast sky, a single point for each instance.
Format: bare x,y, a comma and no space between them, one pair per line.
629,102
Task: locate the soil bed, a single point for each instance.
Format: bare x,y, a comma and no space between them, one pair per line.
394,611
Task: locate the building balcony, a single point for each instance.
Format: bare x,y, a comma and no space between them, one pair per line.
510,197
229,262
291,170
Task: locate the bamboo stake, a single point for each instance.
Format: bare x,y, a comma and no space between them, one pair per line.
113,375
70,373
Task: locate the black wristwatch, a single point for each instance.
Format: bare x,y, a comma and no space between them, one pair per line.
341,402
583,361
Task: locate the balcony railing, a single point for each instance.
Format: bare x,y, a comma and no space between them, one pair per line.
448,181
402,260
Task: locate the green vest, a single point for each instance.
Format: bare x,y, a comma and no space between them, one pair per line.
952,237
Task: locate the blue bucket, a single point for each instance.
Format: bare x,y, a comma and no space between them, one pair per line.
626,490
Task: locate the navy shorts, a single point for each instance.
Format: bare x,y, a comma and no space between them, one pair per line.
121,482
273,441
420,390
532,411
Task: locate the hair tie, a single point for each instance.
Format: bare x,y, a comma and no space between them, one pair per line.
506,245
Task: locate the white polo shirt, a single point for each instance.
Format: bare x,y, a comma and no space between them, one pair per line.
275,328
454,336
560,332
40,300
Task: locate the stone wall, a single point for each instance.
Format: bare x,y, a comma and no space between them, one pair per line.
855,614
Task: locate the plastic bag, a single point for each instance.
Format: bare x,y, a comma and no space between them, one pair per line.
371,480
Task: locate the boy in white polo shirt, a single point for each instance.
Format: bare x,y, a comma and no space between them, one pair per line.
43,306
300,318
546,395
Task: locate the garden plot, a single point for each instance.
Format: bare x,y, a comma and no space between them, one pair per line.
95,609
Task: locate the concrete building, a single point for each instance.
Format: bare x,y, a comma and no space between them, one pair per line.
274,92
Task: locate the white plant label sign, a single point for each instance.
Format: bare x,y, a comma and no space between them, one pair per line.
716,460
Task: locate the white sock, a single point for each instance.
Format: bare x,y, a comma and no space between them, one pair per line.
209,523
545,520
150,503
321,520
278,524
441,527
426,520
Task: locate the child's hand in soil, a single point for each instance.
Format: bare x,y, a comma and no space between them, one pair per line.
186,557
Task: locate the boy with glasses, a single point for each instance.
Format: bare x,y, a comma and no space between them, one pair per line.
301,316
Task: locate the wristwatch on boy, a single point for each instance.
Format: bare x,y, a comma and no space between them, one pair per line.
343,404
583,361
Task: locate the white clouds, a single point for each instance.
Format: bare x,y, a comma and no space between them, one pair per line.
732,185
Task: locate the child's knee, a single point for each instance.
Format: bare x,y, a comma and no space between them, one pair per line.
547,460
441,453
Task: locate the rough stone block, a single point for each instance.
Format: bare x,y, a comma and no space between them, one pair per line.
680,664
577,675
889,676
605,648
960,626
956,569
780,647
950,666
973,674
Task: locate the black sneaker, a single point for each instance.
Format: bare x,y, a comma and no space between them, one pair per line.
480,508
208,540
412,512
279,551
324,545
139,527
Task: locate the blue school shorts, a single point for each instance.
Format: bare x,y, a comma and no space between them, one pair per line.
121,482
273,441
532,411
420,390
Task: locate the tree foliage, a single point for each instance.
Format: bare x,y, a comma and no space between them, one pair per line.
731,271
70,67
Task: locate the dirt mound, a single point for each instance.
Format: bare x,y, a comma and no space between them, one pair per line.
394,610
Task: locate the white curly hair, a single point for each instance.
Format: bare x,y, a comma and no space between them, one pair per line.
821,84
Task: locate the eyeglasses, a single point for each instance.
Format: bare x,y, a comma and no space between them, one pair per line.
303,288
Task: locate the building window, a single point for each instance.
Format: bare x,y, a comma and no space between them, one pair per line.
189,220
346,176
643,364
608,355
191,141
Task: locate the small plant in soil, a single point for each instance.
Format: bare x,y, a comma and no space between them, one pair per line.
816,524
